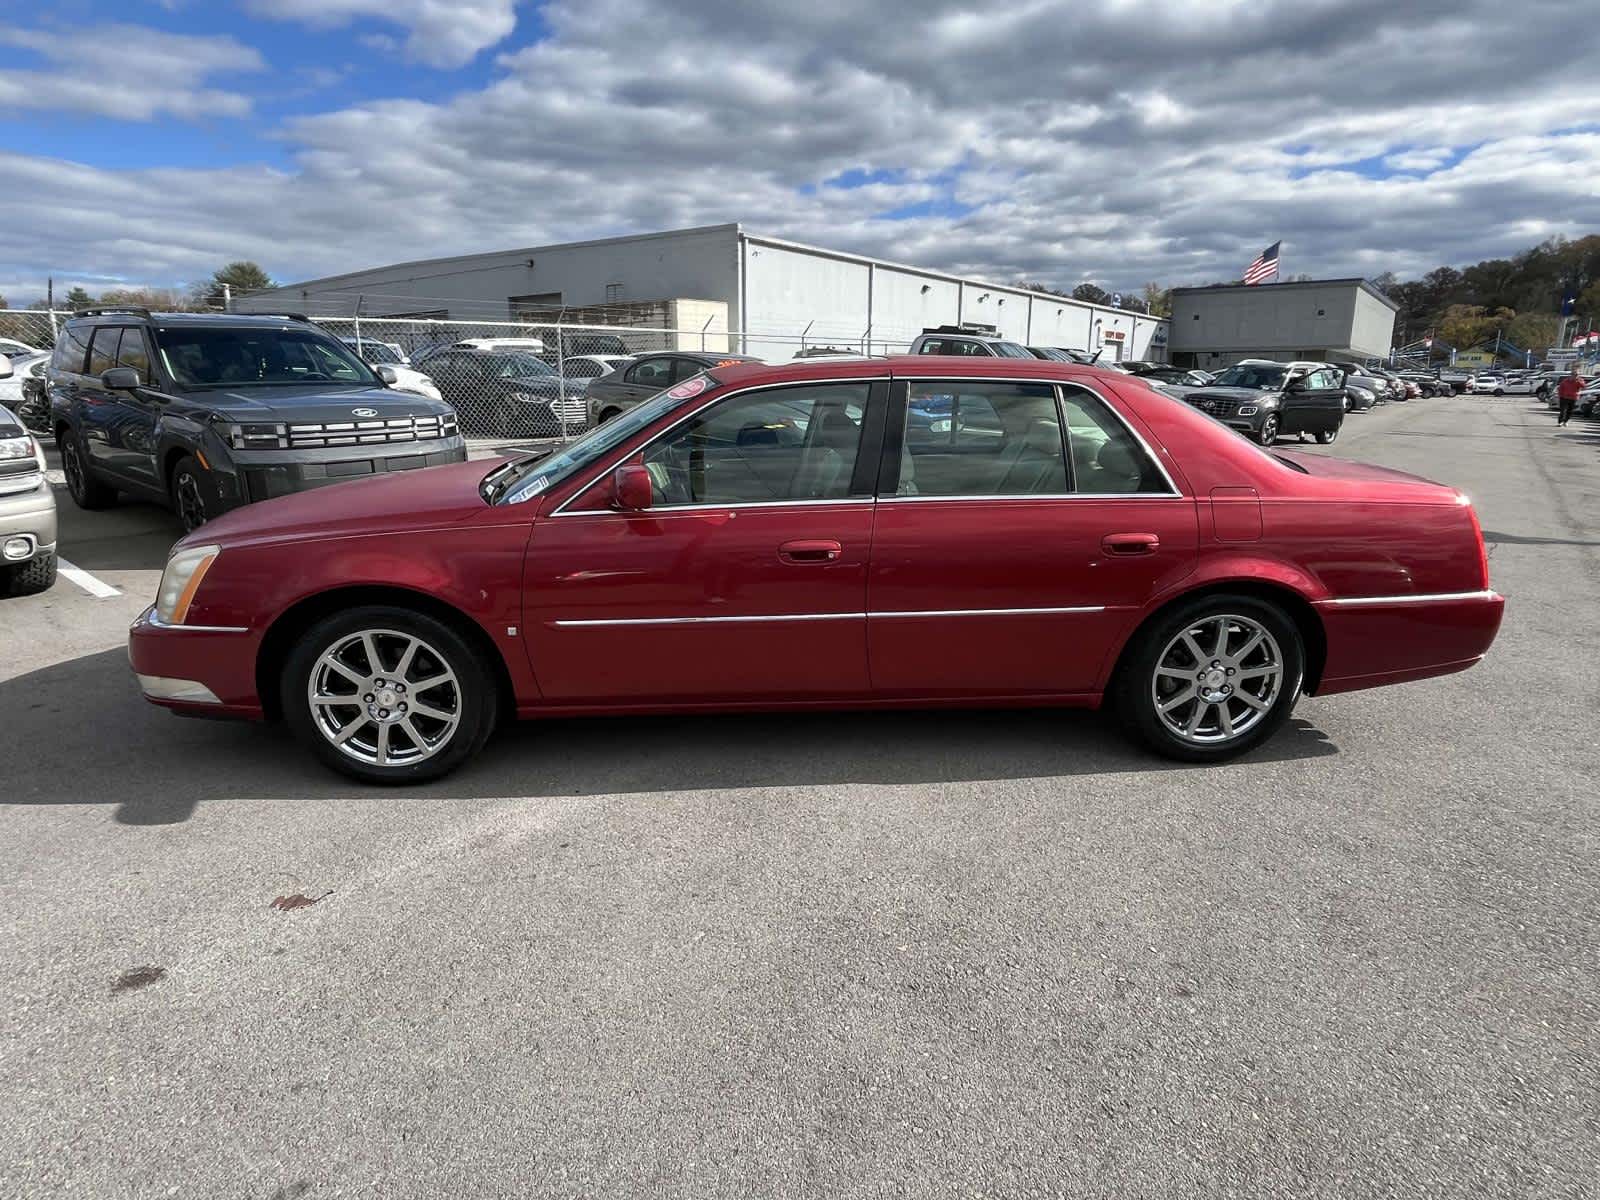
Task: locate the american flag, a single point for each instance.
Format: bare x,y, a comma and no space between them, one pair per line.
1265,266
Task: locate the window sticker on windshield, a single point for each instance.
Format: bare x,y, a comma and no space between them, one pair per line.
689,387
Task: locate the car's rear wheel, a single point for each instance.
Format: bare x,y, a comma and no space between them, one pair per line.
1326,437
1269,431
188,493
38,574
86,491
389,695
1211,679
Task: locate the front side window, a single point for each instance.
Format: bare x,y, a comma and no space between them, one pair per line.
103,349
797,443
981,439
210,356
652,372
131,352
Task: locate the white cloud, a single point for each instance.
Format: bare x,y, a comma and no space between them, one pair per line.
1118,143
127,71
443,33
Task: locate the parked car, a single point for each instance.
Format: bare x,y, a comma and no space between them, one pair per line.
1045,549
1264,399
1380,387
393,367
1426,384
27,510
1518,385
1588,404
1486,384
528,345
13,349
1456,377
509,393
968,341
1358,398
15,393
588,367
209,411
1167,373
611,396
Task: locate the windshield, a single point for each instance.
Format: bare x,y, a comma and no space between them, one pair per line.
1009,350
210,356
519,366
376,352
527,478
1259,378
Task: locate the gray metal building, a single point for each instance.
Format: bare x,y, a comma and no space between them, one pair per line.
775,293
1336,320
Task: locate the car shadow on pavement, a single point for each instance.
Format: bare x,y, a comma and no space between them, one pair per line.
91,739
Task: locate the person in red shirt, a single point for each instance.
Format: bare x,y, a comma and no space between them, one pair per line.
1567,395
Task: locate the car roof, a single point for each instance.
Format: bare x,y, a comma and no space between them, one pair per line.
912,366
116,316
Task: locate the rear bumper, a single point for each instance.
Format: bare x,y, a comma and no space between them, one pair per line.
1377,640
198,671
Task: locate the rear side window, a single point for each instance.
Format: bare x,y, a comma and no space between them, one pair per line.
103,349
70,350
982,439
131,352
1107,460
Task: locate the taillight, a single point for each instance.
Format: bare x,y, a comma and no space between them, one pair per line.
1483,549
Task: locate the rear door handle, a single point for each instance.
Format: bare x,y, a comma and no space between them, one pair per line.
810,550
1125,545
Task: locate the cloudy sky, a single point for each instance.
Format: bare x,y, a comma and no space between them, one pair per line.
148,141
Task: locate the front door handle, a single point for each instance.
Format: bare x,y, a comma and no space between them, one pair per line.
1125,545
810,550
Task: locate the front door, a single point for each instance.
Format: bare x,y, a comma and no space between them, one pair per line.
745,580
120,426
1021,522
1316,403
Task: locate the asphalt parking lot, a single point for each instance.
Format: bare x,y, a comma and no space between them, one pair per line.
916,954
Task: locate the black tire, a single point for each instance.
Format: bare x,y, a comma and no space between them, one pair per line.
36,575
1499,391
86,491
475,694
1326,437
188,488
1133,691
1269,431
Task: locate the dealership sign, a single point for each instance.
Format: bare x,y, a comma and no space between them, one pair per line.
1560,357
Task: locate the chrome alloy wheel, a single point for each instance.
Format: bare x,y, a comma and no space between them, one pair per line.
1218,679
384,698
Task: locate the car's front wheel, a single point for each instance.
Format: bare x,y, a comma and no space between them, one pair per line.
389,695
1269,431
1211,679
38,574
188,494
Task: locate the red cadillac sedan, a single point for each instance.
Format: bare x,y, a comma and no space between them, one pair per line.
835,533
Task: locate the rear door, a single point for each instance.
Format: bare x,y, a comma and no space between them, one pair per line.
1019,524
118,426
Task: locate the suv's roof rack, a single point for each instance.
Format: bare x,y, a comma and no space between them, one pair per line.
107,309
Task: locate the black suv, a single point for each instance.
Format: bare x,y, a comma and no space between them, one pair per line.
210,411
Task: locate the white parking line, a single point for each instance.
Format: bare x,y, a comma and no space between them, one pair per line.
95,588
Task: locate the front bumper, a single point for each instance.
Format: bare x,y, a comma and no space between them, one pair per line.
30,515
253,475
1378,640
196,670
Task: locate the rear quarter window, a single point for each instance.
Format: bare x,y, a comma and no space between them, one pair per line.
71,349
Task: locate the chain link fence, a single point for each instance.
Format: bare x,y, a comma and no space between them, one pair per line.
511,380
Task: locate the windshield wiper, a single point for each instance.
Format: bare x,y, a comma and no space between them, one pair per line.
500,480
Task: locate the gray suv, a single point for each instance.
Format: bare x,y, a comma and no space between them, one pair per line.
208,411
967,341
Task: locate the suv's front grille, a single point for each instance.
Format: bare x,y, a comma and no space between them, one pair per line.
1217,406
342,433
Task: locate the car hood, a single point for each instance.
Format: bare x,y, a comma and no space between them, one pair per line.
1195,395
430,498
310,403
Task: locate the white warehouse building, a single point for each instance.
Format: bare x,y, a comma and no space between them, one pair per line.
769,297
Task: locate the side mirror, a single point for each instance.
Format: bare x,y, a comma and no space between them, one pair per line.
631,490
386,373
119,379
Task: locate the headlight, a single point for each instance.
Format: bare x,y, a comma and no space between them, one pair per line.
181,580
13,448
1248,410
254,436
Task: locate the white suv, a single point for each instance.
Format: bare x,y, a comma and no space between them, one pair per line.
966,341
